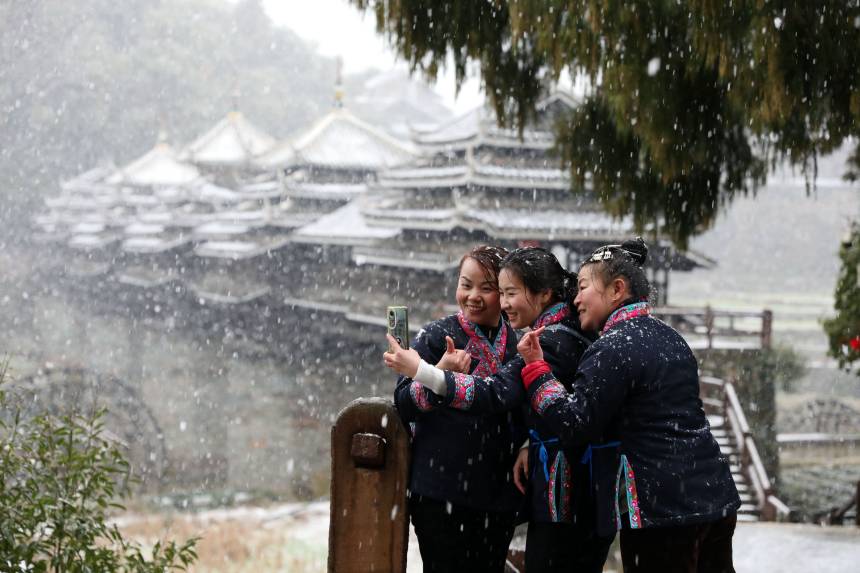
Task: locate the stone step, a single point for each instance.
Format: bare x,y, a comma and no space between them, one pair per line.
747,517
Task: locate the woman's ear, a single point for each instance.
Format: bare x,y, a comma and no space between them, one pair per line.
619,290
544,297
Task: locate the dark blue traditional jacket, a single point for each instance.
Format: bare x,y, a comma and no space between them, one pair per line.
639,383
559,483
457,456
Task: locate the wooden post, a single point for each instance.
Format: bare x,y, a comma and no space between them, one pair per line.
369,528
857,505
709,326
766,328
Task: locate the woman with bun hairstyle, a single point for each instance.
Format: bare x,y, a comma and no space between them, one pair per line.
672,494
462,499
536,291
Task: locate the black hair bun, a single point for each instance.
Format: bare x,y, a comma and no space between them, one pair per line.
637,249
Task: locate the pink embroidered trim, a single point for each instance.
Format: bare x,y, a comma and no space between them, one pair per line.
556,313
419,396
549,393
464,391
490,356
559,478
626,313
635,517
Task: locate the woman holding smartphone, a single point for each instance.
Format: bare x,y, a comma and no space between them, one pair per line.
462,499
536,291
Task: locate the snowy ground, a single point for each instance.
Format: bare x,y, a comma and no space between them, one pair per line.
293,538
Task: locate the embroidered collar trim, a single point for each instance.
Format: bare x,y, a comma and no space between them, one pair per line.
556,313
634,310
489,354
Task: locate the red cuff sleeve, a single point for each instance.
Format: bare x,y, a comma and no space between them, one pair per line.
530,372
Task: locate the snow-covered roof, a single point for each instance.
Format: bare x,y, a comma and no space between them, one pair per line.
148,244
548,224
90,241
329,191
386,256
221,228
238,249
475,173
232,141
420,219
143,229
231,288
211,193
479,126
261,190
342,141
90,180
159,166
143,278
344,226
87,228
156,217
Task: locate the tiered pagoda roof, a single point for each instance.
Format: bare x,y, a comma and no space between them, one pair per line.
341,141
233,141
160,166
363,216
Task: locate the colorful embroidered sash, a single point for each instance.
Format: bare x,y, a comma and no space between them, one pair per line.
559,479
625,469
489,354
634,310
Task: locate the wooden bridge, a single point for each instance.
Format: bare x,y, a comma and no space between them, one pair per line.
709,329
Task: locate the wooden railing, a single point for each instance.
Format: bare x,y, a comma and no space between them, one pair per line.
711,324
770,507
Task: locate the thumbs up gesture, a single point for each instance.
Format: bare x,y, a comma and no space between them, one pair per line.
402,361
454,360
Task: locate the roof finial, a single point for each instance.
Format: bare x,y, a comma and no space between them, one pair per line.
161,140
234,98
338,84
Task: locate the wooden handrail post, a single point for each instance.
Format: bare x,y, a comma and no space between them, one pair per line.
857,505
766,328
709,326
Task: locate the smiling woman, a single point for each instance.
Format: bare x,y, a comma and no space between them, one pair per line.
462,498
478,288
670,491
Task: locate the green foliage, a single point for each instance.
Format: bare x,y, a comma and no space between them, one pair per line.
843,330
90,81
690,100
59,477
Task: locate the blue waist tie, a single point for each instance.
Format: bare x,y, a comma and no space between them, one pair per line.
586,457
543,455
